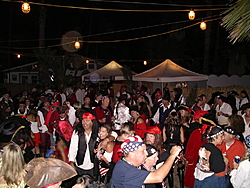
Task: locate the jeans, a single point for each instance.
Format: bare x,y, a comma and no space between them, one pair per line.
211,182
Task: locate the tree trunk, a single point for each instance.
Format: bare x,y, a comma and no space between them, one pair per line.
207,42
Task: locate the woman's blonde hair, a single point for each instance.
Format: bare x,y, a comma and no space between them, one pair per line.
12,164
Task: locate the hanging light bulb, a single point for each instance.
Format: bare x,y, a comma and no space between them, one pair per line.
191,15
145,62
26,7
87,61
77,44
203,25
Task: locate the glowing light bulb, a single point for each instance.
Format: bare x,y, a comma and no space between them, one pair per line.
26,7
145,62
203,25
18,56
77,45
87,61
191,15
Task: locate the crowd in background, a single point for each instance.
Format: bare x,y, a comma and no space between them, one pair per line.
86,128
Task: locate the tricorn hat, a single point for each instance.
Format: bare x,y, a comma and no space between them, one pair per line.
45,171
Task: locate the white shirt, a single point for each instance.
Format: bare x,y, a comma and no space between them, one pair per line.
72,116
43,127
226,109
156,117
247,128
244,101
87,164
240,177
206,107
121,116
80,94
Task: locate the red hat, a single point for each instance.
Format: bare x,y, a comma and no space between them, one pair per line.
55,103
88,115
142,92
199,113
153,129
159,92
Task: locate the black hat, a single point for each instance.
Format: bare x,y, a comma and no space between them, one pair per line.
61,109
245,106
217,93
224,99
166,97
183,107
134,108
230,130
123,97
151,150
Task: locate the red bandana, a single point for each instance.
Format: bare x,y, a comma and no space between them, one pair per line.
88,116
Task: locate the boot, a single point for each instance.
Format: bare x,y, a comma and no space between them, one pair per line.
181,172
170,177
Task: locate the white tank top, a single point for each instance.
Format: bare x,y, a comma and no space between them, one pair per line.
34,127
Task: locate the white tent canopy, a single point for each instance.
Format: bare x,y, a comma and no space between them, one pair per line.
168,71
111,69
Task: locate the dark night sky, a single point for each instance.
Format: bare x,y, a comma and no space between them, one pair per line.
185,47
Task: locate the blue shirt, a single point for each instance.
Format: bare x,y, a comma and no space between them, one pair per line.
126,175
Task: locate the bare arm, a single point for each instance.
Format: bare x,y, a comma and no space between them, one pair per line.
158,175
182,135
164,136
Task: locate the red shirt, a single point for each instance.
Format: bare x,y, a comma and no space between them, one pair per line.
237,149
100,114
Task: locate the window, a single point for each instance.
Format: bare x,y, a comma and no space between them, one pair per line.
14,78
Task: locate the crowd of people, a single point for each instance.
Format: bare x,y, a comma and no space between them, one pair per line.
124,139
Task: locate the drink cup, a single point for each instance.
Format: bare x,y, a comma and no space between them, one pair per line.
237,159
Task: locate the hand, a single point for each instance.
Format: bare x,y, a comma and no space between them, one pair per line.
175,150
225,160
72,164
235,165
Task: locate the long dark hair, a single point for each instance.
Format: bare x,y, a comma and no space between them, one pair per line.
95,128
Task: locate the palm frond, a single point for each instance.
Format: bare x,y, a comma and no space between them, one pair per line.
237,21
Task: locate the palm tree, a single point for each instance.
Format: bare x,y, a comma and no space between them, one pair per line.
237,21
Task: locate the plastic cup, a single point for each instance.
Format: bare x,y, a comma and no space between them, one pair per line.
237,159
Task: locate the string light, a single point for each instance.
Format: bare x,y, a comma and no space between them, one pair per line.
26,7
203,25
191,15
77,44
145,62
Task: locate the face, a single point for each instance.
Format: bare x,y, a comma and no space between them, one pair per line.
67,103
21,106
140,155
63,115
87,100
151,161
182,113
27,102
46,104
165,102
87,124
134,113
228,137
247,112
150,139
105,102
103,133
219,139
6,96
140,99
99,98
242,95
